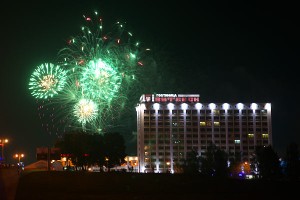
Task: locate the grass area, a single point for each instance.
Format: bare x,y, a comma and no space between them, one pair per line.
122,186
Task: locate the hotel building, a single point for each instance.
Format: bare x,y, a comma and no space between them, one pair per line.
171,125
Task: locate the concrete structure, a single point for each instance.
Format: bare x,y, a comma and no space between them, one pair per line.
171,125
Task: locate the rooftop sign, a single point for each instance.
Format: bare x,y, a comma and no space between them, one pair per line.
170,98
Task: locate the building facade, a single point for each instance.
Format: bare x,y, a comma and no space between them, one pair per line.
169,126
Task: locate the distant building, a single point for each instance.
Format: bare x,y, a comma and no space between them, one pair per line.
130,165
171,125
43,153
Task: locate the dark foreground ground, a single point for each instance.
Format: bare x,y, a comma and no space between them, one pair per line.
9,179
122,186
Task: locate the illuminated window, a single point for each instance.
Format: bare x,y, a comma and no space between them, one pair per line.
265,135
202,123
217,123
237,141
250,135
216,112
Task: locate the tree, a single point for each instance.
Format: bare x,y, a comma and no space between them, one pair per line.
292,159
268,162
215,162
207,162
191,164
220,163
83,149
114,148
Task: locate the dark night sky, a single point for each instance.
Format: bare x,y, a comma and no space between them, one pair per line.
228,52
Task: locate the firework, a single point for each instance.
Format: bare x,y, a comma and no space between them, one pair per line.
100,81
47,80
107,66
85,110
105,72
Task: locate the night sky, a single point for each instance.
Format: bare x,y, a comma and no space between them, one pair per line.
226,52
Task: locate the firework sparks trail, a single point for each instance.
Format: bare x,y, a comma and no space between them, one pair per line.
103,70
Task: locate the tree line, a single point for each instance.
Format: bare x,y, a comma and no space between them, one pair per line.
265,163
93,149
108,150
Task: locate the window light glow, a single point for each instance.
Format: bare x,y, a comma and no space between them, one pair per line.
156,106
240,106
253,106
226,106
170,106
140,107
198,106
217,123
212,106
268,106
184,106
202,124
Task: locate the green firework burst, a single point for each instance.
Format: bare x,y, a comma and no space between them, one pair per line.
105,73
47,80
100,81
85,111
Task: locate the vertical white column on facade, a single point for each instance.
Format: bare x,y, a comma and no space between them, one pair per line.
212,107
212,126
241,134
226,130
184,133
226,106
269,118
156,139
254,127
171,140
199,132
140,137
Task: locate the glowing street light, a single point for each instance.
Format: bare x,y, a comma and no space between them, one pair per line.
106,159
2,142
19,156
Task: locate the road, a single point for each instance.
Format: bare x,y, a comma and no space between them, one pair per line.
9,179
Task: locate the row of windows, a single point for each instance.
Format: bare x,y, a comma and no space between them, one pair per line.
216,112
204,123
231,140
166,152
181,135
179,154
204,118
204,141
166,149
165,159
195,130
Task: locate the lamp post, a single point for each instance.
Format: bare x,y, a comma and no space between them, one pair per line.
2,142
168,167
20,167
107,159
19,156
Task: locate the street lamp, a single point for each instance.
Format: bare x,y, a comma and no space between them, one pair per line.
19,156
2,142
107,159
168,167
